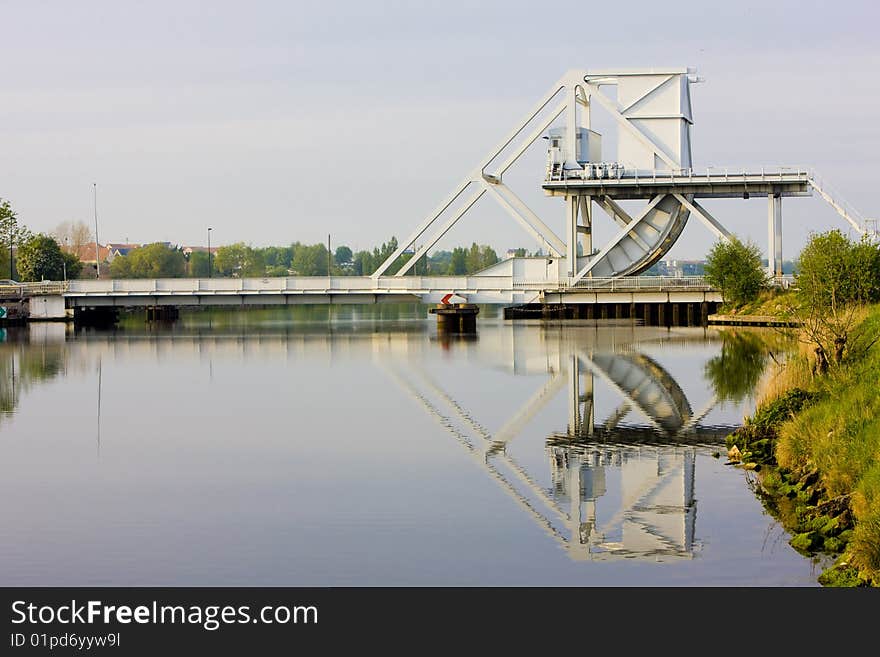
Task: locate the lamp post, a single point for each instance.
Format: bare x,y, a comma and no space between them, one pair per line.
209,253
97,257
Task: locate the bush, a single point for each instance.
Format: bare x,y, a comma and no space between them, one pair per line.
832,269
735,268
150,261
40,258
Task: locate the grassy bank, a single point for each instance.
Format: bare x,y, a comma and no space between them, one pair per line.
815,445
771,302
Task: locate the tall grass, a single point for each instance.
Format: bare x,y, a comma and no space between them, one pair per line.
839,436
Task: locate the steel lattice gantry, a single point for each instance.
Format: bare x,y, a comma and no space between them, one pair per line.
651,162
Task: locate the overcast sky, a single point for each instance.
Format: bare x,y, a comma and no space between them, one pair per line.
276,121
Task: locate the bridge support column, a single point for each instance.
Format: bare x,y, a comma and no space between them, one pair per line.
704,313
98,317
774,234
588,419
456,318
579,230
162,313
574,395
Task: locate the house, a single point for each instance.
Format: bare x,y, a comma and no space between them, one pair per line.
119,249
86,254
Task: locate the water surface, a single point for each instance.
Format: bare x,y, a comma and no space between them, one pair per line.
356,447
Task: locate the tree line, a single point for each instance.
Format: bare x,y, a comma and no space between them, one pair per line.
53,257
31,256
837,277
242,260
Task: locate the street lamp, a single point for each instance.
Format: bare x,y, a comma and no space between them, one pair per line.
97,255
209,252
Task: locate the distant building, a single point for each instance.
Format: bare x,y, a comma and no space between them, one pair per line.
680,268
86,254
119,249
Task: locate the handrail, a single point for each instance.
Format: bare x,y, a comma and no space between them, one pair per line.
36,288
774,173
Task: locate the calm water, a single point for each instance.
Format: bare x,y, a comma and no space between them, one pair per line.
359,448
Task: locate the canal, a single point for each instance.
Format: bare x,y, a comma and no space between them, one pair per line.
356,446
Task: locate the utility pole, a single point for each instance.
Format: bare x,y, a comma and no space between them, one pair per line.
97,255
209,253
329,257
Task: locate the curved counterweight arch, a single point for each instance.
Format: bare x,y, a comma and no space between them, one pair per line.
641,242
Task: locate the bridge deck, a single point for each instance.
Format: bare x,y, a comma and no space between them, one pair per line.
364,289
722,184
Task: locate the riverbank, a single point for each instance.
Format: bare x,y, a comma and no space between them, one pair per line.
749,320
814,445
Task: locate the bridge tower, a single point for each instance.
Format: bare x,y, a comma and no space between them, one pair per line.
652,163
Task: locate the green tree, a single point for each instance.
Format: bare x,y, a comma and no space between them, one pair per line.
309,259
240,260
342,255
363,263
864,264
150,261
438,262
473,259
382,253
12,234
735,268
826,276
278,258
72,264
835,278
457,262
40,258
488,257
199,266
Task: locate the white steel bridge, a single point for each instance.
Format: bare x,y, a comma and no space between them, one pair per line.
651,164
53,300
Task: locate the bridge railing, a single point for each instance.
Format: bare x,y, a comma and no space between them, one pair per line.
644,283
33,289
414,285
714,174
290,285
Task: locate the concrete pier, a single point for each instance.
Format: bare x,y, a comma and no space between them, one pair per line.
456,318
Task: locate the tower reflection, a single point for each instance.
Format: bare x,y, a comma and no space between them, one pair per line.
619,487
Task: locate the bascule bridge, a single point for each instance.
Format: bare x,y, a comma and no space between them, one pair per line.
651,162
641,179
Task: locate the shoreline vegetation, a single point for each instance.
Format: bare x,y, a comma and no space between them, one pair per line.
812,446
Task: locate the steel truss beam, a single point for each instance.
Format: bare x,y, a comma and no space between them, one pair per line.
572,95
526,218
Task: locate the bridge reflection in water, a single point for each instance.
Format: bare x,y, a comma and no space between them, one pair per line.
621,478
617,490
